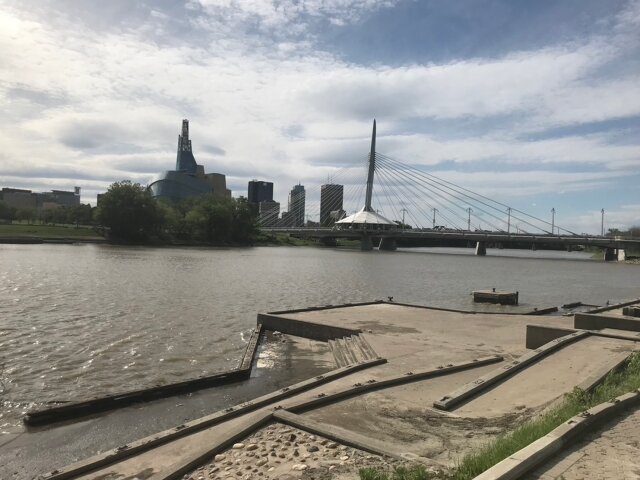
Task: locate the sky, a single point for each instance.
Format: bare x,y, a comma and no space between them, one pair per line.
533,103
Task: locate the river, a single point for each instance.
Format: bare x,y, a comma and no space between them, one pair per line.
83,320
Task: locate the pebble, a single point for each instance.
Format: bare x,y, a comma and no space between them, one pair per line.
269,453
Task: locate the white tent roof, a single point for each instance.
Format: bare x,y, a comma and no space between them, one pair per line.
370,218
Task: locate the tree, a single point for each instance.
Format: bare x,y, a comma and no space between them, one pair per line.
7,212
28,214
129,211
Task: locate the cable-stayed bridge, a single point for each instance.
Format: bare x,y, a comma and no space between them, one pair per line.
403,203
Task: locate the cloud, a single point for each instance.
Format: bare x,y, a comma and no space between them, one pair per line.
100,92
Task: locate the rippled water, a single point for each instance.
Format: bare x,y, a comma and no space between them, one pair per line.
82,320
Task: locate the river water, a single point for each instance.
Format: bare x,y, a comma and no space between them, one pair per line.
81,320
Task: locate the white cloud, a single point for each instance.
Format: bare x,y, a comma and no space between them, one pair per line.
109,103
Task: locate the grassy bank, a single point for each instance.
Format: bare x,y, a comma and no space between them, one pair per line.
616,384
17,230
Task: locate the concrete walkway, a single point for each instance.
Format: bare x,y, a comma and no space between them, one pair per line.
612,452
385,408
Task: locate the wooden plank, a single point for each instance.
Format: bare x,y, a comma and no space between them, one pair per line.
119,400
472,388
252,348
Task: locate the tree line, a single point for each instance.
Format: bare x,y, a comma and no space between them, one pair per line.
130,213
77,214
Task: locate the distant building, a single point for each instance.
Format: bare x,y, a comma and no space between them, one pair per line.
268,213
296,206
259,191
287,220
26,199
331,198
188,179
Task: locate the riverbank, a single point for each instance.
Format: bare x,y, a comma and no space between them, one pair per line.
442,384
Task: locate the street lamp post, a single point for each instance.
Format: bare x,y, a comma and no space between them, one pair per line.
602,223
434,216
404,210
469,210
509,220
553,218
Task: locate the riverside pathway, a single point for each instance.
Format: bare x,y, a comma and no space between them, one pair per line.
611,452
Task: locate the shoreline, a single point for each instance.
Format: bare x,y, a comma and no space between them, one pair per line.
425,356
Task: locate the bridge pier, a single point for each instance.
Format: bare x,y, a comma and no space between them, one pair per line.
481,249
365,243
622,255
610,255
388,244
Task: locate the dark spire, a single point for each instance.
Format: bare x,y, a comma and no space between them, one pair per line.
185,160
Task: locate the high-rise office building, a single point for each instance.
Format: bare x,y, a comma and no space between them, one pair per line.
259,191
331,198
296,205
268,212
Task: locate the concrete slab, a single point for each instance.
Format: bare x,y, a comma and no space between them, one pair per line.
546,380
408,336
412,339
402,417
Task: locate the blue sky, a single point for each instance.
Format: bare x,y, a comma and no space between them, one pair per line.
533,103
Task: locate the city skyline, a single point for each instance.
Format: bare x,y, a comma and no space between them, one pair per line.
536,105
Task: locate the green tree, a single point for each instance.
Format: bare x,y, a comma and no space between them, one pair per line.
245,224
7,212
28,214
129,211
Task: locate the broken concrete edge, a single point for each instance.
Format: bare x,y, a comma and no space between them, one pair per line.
350,439
166,436
589,321
372,384
76,410
600,376
542,311
179,469
533,455
304,328
538,335
472,388
614,307
453,310
326,307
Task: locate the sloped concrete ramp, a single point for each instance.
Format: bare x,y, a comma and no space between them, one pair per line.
539,384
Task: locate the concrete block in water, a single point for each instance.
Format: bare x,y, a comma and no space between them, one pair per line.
492,296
